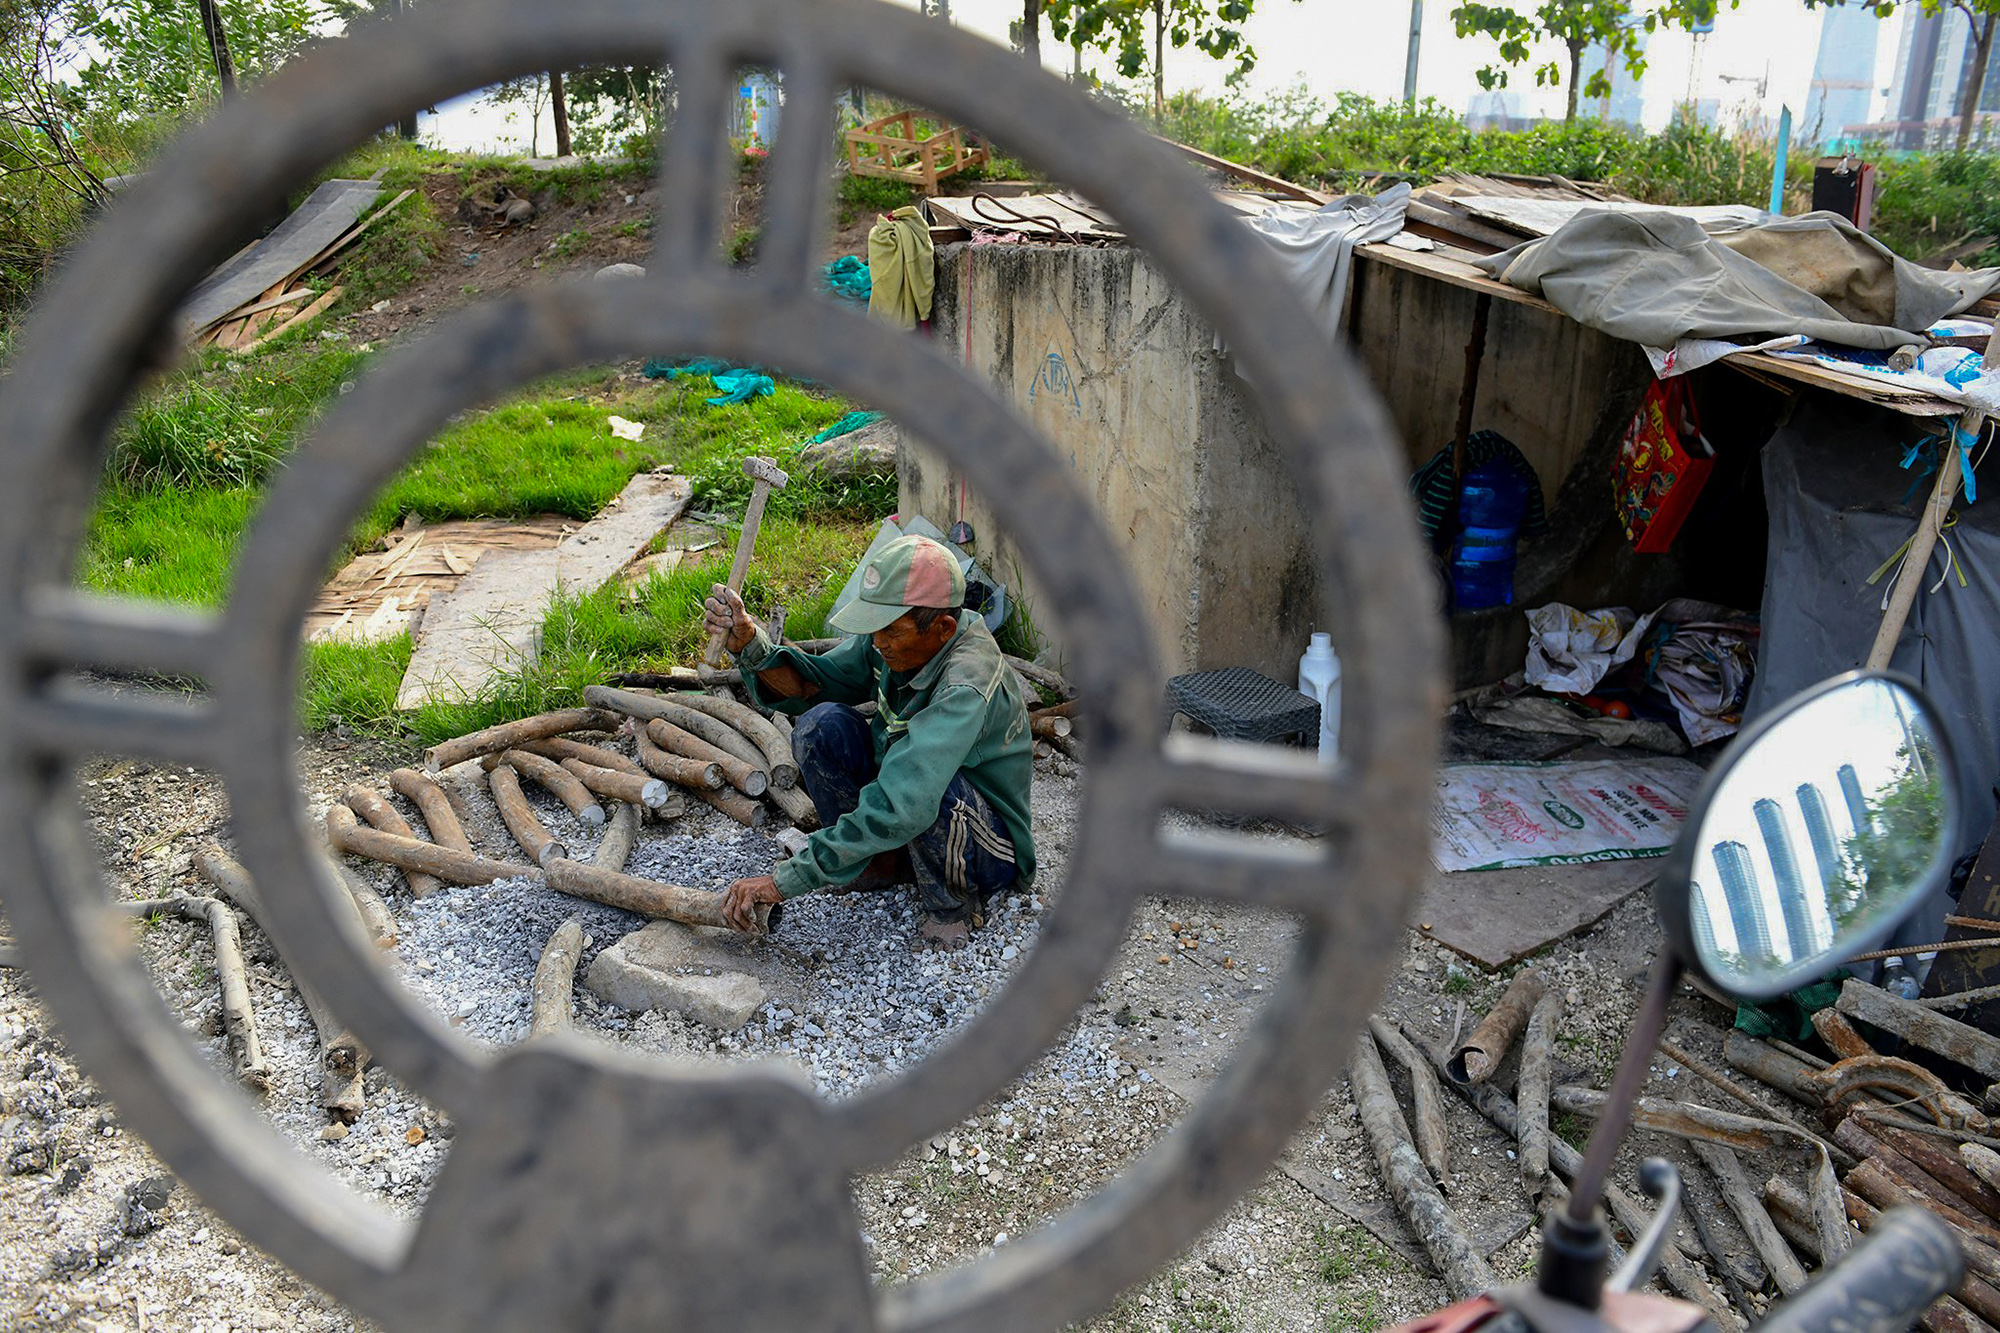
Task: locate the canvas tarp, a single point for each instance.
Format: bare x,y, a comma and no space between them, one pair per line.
1658,277
1840,506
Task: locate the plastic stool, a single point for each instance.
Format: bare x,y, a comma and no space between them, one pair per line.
1241,704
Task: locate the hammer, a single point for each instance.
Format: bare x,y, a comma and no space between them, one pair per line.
767,477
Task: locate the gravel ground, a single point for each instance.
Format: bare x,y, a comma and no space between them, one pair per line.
94,1234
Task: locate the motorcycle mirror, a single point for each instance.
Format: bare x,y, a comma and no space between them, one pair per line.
1813,838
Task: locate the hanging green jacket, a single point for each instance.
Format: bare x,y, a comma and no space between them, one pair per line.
902,269
963,711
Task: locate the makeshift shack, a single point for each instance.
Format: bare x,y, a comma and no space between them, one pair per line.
1807,499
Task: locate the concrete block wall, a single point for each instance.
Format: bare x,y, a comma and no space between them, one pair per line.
1096,349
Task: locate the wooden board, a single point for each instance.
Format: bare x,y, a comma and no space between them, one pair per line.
1760,365
420,563
1497,917
491,622
325,215
1450,265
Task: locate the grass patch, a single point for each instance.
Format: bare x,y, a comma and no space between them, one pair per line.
872,194
800,565
165,544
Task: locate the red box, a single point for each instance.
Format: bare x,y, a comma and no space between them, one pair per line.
1661,466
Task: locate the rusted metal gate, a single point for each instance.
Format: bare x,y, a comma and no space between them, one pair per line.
584,1190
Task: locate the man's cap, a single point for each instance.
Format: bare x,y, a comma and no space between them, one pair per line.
909,572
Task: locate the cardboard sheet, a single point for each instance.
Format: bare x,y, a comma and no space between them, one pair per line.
1493,816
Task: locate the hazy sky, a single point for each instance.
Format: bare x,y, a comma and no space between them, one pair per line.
1358,45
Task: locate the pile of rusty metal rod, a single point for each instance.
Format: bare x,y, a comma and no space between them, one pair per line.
1054,723
1872,1132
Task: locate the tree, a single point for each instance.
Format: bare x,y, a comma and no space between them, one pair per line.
1123,26
1031,31
1578,25
140,58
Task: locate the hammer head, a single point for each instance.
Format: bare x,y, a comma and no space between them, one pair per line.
764,470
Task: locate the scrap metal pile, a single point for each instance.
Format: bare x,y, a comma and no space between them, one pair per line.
700,741
1877,1131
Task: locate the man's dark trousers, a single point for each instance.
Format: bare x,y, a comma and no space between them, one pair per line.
957,862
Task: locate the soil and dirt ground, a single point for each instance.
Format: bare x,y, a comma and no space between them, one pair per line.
96,1235
87,1242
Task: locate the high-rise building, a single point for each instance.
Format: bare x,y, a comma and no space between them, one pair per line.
1793,903
1825,848
1933,62
1704,925
1746,904
1850,792
1843,81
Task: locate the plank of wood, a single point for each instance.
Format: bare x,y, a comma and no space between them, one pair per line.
352,236
327,213
268,303
1446,266
331,295
1275,184
1909,402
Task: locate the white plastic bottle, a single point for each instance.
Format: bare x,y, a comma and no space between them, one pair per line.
1319,679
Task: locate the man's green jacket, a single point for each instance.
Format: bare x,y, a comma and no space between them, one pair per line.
962,711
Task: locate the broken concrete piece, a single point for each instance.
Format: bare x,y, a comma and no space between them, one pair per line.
669,948
868,452
634,976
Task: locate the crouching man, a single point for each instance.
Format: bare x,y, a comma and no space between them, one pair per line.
930,790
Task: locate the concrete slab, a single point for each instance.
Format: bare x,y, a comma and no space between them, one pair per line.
1496,917
491,623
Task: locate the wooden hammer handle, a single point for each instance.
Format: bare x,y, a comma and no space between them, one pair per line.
753,518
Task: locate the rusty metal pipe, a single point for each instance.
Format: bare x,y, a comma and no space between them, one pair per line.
434,804
681,770
654,708
553,778
649,792
560,748
1906,1081
345,834
1916,1181
553,1006
651,898
1481,1053
749,779
534,837
1792,1211
1935,1032
370,805
758,730
615,848
510,734
1943,1165
1683,1120
737,806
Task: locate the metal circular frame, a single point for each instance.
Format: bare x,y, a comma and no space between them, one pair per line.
88,347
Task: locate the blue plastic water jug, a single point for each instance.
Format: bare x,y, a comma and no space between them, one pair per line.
1492,501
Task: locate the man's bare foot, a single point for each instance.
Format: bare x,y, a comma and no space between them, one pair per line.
936,936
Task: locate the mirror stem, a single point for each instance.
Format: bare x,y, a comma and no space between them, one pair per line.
1575,1244
1588,1187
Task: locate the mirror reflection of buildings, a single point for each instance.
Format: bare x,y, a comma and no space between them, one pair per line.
1806,925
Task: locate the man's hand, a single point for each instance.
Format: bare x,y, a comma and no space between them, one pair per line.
740,901
723,614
